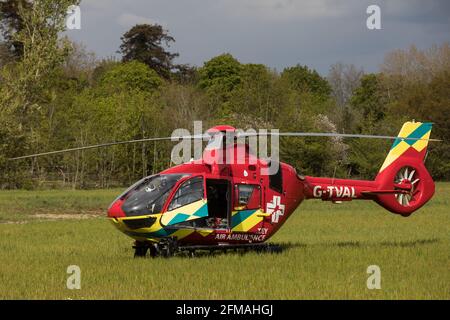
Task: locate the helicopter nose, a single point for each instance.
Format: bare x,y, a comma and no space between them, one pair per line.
115,210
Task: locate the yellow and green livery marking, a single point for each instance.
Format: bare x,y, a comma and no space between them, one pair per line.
195,210
245,220
417,130
164,225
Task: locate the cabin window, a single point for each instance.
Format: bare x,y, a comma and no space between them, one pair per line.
276,180
247,197
189,191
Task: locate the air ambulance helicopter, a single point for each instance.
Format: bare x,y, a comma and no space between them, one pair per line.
208,204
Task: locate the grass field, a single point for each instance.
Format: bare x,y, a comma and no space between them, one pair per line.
331,246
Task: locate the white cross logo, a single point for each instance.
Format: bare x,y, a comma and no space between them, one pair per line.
275,208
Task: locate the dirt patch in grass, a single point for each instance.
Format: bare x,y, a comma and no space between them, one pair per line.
48,215
55,216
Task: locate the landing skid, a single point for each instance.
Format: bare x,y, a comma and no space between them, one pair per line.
169,247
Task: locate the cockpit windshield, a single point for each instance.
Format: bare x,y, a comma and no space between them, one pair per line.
149,195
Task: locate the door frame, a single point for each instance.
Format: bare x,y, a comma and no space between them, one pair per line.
229,183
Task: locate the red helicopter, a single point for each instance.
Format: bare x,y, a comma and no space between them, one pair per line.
211,204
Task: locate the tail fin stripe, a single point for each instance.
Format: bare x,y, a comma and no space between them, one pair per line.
415,130
395,153
418,133
422,144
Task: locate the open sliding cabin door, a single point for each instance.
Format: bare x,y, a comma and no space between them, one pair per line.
219,196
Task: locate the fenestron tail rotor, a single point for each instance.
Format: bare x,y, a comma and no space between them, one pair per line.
406,180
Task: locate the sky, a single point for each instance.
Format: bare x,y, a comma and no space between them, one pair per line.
277,33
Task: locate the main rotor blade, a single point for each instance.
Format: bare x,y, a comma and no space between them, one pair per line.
328,134
208,136
109,144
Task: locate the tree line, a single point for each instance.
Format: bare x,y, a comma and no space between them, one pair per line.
54,94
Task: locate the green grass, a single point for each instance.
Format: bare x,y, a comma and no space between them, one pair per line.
22,205
331,247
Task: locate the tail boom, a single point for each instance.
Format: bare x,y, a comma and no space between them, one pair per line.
336,190
402,185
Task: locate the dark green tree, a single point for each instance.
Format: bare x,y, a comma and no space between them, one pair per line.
146,43
130,76
222,72
219,77
303,79
369,98
430,102
257,94
11,22
185,74
5,55
370,115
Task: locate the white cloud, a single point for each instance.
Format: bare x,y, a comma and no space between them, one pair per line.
128,20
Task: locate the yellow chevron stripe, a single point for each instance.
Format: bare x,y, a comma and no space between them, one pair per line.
422,144
249,223
394,154
205,233
189,209
119,223
183,233
409,128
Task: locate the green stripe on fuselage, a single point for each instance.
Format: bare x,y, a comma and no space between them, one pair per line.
241,216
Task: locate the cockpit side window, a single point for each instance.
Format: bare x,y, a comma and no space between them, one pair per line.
189,191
